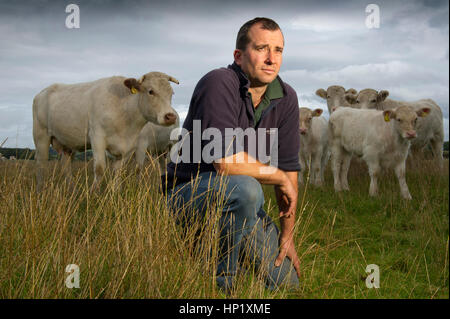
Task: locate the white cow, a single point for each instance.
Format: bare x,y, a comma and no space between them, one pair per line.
335,96
155,139
313,144
2,158
381,138
430,129
106,115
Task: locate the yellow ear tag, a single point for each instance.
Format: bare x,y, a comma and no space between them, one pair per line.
133,90
386,117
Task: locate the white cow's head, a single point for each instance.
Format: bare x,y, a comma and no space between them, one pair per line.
405,119
155,97
367,99
306,116
335,96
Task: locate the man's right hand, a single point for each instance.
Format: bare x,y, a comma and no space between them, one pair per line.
289,197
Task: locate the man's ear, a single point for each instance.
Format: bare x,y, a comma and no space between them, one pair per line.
237,54
382,95
350,98
317,112
322,93
132,84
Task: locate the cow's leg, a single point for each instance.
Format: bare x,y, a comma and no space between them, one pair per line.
66,162
437,146
346,159
162,158
302,169
42,143
141,153
374,170
323,163
336,160
98,149
400,172
316,168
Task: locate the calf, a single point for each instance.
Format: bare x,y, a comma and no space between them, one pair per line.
430,129
381,138
313,144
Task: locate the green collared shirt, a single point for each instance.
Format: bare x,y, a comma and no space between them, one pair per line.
273,91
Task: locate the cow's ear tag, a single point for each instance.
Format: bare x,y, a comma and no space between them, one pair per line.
386,117
133,90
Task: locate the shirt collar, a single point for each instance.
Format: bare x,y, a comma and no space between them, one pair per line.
275,89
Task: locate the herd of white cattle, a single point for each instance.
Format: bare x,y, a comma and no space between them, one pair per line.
119,117
381,131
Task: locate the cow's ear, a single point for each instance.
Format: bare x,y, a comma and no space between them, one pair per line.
132,84
351,91
388,115
317,112
423,112
350,98
322,93
382,95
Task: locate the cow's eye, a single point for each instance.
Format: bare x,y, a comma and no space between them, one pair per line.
357,102
150,92
399,120
373,101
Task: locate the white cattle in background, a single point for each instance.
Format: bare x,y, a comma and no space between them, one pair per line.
313,145
381,138
430,129
106,115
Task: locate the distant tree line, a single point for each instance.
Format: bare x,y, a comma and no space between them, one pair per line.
28,154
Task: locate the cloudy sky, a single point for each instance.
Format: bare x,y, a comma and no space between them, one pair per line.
326,43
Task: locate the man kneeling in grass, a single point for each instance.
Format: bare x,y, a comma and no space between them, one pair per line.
248,95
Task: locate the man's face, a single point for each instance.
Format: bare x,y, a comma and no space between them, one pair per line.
262,58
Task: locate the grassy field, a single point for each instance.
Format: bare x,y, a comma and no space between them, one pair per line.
128,245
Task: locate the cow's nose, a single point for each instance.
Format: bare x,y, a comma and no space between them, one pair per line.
411,134
303,131
170,118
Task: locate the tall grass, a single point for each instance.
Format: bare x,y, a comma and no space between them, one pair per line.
127,244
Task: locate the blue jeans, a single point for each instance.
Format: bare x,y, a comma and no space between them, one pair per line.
245,227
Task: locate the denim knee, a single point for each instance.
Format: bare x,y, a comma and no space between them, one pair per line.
247,194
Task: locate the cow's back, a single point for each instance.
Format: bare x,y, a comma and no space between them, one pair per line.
357,128
65,109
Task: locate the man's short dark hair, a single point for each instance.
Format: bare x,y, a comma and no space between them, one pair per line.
242,38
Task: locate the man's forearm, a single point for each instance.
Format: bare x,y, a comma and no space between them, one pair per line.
287,223
244,164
